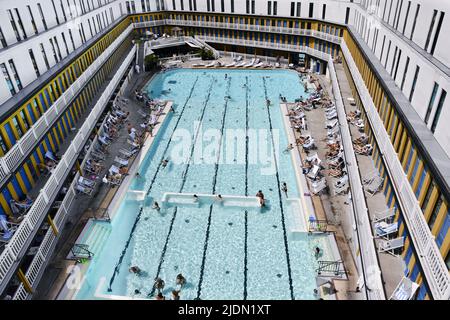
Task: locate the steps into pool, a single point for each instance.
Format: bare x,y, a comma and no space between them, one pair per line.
177,199
91,240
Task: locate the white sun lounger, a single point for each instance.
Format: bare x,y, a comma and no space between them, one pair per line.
240,64
197,65
84,189
121,161
331,123
230,64
405,290
384,229
318,186
386,215
389,246
313,172
86,182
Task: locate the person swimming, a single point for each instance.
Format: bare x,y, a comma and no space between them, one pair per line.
195,198
165,162
284,188
219,197
181,280
156,206
262,201
135,270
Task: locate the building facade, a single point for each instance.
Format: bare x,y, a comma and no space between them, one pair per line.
395,48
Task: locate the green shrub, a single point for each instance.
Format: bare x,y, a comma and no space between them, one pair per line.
151,61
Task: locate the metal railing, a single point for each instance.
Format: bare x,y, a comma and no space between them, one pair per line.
430,258
334,267
258,28
368,253
267,45
18,244
24,146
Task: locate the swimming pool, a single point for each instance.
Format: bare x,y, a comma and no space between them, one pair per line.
235,252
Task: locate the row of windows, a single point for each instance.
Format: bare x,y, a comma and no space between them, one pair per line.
68,9
53,90
294,23
433,203
27,175
145,5
99,22
436,21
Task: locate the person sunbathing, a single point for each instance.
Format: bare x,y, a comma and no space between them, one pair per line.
123,170
331,153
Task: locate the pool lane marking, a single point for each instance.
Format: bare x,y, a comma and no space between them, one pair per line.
171,136
279,195
246,191
138,217
216,170
119,263
163,253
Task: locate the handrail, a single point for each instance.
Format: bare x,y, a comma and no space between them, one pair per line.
430,258
330,266
272,45
370,266
18,244
15,156
81,247
247,27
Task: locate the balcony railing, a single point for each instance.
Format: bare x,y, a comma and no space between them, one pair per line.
267,45
249,27
369,259
23,236
17,154
430,258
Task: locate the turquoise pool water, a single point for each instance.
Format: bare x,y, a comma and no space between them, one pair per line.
237,253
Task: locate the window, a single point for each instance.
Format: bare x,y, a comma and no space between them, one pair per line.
213,5
434,214
42,16
16,124
324,11
438,110
404,73
387,54
71,39
44,55
57,47
222,5
33,23
33,61
299,7
13,24
56,12
414,23
62,9
406,17
269,8
347,14
143,5
275,8
311,10
247,6
430,30
395,14
438,30
25,121
292,9
15,74
431,103
9,83
398,62
390,10
54,50
416,75
147,3
65,43
393,61
174,6
2,39
3,145
399,14
182,4
70,9
232,6
19,19
253,6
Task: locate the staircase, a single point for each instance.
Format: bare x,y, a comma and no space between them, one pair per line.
91,241
331,268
